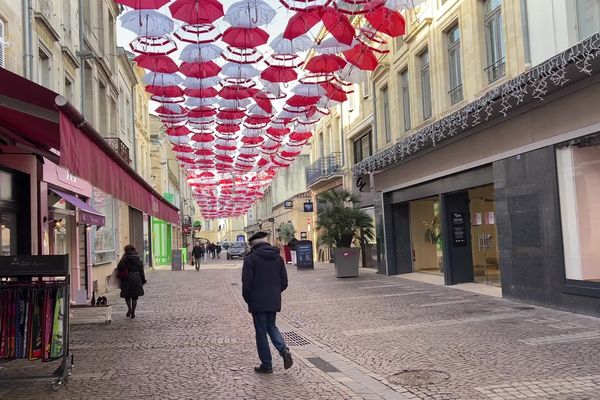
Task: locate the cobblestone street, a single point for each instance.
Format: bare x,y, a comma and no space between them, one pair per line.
372,337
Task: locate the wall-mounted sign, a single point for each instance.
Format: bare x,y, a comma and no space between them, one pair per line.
308,206
361,183
288,204
459,229
241,238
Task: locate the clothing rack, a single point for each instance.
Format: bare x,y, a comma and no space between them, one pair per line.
34,312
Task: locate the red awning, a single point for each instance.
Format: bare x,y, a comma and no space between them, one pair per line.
44,122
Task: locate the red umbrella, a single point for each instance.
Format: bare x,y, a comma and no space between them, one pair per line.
338,25
165,91
236,92
300,136
302,22
325,63
201,92
302,101
199,70
277,132
253,140
179,131
279,74
231,114
202,112
228,128
204,152
335,92
203,138
225,159
196,12
362,57
143,4
245,38
183,149
264,103
387,21
156,63
257,120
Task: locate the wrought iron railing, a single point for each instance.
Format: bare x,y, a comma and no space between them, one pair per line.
496,70
120,147
324,167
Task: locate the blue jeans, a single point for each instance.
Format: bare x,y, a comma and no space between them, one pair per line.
264,323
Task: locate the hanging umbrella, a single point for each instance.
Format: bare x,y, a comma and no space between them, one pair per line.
234,103
201,101
252,140
201,92
338,25
156,63
237,70
325,63
309,89
160,79
281,45
165,91
358,7
183,149
242,56
200,52
202,112
231,114
179,131
153,46
199,69
278,74
300,136
249,13
335,92
302,22
198,34
143,4
362,57
387,21
331,46
172,110
237,92
351,73
245,38
147,23
196,11
302,101
278,132
253,132
203,137
199,83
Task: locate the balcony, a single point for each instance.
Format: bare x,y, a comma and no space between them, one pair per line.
324,169
120,147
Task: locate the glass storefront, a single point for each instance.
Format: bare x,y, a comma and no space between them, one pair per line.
578,164
60,225
484,238
8,215
426,236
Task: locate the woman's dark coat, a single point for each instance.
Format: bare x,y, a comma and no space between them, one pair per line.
264,277
133,285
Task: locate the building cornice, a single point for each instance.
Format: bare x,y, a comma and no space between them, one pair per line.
576,63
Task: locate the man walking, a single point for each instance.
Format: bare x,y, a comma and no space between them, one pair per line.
197,253
264,277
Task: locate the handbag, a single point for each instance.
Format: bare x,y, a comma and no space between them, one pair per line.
123,273
114,282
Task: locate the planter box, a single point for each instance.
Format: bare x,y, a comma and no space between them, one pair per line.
346,262
85,314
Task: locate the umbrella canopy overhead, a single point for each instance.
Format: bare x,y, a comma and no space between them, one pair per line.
237,110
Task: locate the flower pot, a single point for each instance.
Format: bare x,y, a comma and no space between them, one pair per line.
346,262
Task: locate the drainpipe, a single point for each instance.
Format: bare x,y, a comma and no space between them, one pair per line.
374,123
342,140
28,39
135,165
525,28
82,68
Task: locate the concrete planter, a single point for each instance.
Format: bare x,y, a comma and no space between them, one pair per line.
84,314
346,262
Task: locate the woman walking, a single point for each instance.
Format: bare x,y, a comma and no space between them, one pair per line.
131,273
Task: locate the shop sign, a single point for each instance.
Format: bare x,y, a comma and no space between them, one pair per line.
304,254
46,265
241,238
288,204
459,229
308,206
170,197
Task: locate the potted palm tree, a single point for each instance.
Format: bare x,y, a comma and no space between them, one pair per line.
341,223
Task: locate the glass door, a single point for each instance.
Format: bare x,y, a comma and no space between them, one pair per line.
484,241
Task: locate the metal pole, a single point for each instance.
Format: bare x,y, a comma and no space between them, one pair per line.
28,39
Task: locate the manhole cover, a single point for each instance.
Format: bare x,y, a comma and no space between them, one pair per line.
419,377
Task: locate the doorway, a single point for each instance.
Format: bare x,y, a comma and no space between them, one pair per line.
484,237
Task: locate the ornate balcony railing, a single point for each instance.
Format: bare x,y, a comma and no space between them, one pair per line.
324,167
120,147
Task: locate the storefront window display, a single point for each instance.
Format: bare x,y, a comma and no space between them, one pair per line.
59,224
426,236
578,164
8,216
103,239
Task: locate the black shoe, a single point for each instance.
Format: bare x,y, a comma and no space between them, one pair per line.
132,315
287,359
263,370
128,314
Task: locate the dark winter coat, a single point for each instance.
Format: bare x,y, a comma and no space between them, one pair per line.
133,285
292,244
198,251
264,277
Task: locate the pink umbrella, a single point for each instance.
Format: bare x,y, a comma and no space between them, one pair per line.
362,57
338,25
196,12
156,63
302,22
245,38
325,63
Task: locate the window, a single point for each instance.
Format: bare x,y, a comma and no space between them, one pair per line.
69,89
112,41
425,85
44,68
454,68
103,239
405,99
102,111
362,148
87,16
398,42
321,145
2,43
494,41
351,99
89,92
99,28
366,85
588,18
385,98
67,17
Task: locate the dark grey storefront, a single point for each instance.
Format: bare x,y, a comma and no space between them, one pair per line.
531,259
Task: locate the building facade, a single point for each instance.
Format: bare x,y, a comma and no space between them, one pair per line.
481,156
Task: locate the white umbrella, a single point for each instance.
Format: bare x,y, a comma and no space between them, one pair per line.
280,45
200,52
253,132
147,23
249,14
199,83
158,79
309,90
235,103
351,73
332,46
235,70
200,101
